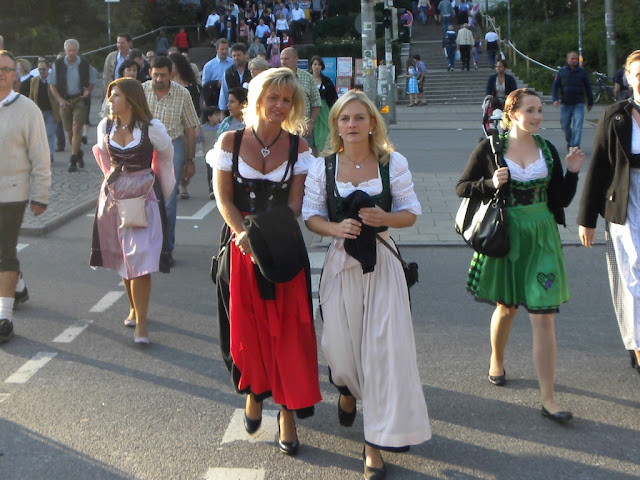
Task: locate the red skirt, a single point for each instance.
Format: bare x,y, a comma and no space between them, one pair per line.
273,342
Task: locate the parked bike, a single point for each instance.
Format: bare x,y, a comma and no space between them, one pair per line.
602,88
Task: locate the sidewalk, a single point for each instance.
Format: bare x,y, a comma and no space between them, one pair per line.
73,194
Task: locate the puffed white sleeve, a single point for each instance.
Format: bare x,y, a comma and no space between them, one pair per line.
100,149
305,159
219,159
314,201
162,163
403,194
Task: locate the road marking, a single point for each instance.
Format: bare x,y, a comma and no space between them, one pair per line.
200,214
30,368
70,334
234,474
21,246
106,301
266,434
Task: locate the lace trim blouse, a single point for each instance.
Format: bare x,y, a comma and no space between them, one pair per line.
219,159
402,193
536,170
157,134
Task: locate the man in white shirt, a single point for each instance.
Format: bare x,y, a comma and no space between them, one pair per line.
298,21
493,46
212,26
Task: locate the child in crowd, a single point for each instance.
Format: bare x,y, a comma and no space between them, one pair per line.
208,135
475,53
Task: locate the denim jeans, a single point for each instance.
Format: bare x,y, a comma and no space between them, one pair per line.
492,57
571,120
423,15
171,203
451,56
50,126
446,21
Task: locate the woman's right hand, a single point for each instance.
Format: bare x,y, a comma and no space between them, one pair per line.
587,236
348,228
242,242
500,177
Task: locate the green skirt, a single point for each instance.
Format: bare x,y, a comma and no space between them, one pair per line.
533,273
321,127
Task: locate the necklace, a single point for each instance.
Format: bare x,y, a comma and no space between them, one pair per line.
123,126
265,150
357,165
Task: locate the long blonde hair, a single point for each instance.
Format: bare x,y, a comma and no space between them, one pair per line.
278,77
378,141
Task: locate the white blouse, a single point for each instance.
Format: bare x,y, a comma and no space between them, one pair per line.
403,195
534,171
222,160
157,134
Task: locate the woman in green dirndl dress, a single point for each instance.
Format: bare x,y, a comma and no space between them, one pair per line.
532,274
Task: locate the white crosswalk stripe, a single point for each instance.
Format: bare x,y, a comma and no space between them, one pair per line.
235,474
236,431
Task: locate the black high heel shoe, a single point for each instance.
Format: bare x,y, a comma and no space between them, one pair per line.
498,380
345,418
288,448
634,360
371,473
560,417
250,425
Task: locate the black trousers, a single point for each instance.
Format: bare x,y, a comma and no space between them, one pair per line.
465,55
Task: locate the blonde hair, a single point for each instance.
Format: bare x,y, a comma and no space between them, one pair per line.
512,104
276,77
633,57
378,141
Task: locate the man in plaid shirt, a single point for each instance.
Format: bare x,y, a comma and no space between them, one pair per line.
171,103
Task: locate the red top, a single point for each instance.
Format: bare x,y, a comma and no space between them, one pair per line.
181,40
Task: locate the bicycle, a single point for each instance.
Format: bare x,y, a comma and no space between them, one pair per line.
600,88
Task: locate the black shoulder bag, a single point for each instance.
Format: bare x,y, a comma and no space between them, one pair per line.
483,223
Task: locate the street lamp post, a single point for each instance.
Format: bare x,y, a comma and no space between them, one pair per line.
580,58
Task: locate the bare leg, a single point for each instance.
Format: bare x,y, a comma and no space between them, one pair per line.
8,281
287,426
501,322
253,408
75,137
544,357
140,292
127,288
373,457
347,403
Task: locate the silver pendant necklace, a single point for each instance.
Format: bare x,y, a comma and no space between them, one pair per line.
265,150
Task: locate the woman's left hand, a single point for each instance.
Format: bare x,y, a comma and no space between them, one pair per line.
373,216
574,159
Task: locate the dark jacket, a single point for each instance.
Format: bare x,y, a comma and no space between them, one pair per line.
509,84
327,91
61,75
233,79
573,83
477,180
606,187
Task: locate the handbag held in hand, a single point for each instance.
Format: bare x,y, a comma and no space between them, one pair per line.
483,222
131,211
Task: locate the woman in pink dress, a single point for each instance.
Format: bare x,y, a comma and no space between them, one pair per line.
273,49
135,154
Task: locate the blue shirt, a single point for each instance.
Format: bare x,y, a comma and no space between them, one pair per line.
119,61
73,76
214,69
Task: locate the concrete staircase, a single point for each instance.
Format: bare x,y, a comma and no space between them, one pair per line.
442,86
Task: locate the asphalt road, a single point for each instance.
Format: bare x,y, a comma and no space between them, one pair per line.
99,407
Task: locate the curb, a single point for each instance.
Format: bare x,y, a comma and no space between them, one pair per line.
59,220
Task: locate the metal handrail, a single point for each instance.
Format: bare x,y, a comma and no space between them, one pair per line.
113,45
554,70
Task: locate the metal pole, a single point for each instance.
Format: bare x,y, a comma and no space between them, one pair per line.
388,60
509,20
610,24
580,57
369,54
108,22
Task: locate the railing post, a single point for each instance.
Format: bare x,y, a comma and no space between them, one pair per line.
528,68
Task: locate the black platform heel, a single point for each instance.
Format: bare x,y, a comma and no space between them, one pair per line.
634,360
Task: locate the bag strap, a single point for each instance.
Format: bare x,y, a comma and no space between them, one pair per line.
497,147
395,254
237,140
330,174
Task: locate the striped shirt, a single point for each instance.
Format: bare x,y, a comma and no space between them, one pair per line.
175,110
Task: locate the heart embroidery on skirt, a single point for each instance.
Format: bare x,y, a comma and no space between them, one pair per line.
546,280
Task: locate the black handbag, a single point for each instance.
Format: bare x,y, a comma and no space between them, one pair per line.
483,222
410,268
